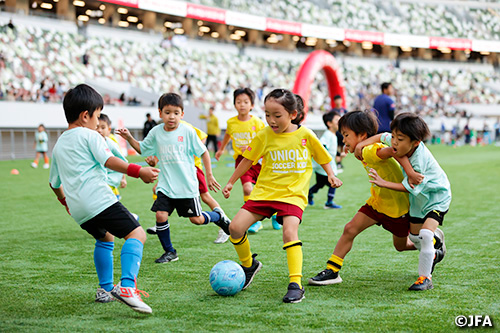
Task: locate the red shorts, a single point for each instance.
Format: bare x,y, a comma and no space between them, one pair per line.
399,226
268,208
202,183
251,175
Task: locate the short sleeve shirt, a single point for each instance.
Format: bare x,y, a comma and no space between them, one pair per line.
114,178
329,141
42,141
243,132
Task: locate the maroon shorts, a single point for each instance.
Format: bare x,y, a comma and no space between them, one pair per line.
399,226
268,208
251,175
202,183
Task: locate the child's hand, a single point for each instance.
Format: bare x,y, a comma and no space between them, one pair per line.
212,183
63,202
377,180
154,188
218,154
358,152
124,133
123,182
226,191
151,160
334,181
148,175
415,178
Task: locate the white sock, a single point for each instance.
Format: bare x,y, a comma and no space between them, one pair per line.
416,240
426,252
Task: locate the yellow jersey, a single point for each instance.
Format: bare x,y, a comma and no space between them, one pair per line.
202,136
242,132
286,164
391,203
212,124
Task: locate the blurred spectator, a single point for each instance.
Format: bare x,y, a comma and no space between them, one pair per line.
213,129
148,125
385,107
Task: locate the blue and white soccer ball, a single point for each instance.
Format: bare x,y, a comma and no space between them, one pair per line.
227,278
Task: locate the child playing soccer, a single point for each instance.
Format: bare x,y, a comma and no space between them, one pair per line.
429,200
286,149
41,147
175,143
384,207
241,130
329,141
78,178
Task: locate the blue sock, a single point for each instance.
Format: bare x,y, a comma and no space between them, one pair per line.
210,217
331,195
103,260
131,261
163,232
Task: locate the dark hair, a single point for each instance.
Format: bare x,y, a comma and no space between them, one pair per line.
247,91
148,115
42,126
337,97
300,110
360,122
105,118
412,125
80,99
327,117
288,100
385,85
170,99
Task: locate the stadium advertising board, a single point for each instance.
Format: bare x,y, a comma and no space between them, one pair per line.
485,45
364,36
245,20
320,31
450,43
206,13
176,8
128,3
406,40
283,27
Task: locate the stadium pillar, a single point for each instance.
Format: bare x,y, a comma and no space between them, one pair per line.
222,30
187,25
23,5
316,61
149,20
255,37
424,54
355,49
320,44
65,9
110,14
11,4
459,55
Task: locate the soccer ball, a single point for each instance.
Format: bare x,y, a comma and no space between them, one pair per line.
227,278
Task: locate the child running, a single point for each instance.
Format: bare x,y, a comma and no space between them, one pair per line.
175,143
329,141
429,200
286,149
241,130
78,178
384,207
41,147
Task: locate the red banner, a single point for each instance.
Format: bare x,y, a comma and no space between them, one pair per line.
450,43
128,3
283,27
206,13
360,36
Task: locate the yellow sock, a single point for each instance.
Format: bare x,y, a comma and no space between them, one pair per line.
294,259
245,198
334,263
242,247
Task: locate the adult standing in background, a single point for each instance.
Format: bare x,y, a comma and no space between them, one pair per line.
148,125
213,129
338,101
385,107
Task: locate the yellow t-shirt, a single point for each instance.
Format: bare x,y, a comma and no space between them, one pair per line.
286,164
212,124
202,136
385,201
242,132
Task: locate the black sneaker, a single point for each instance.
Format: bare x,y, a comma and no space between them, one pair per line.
224,221
151,231
437,258
325,277
251,271
423,283
295,294
167,257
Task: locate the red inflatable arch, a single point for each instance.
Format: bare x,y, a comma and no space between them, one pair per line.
316,61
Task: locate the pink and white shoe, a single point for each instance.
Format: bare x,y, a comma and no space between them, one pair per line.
131,297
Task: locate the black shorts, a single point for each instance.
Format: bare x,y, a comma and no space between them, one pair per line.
322,181
188,207
435,214
115,219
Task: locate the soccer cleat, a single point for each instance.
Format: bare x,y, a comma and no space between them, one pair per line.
332,205
439,237
254,228
438,256
34,165
423,283
131,297
251,271
276,225
222,237
167,257
224,221
295,294
310,200
152,230
102,296
46,166
325,278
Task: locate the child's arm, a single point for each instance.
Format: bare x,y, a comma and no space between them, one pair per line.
123,182
211,181
61,197
151,160
223,145
377,180
243,167
369,141
125,133
147,174
414,178
334,181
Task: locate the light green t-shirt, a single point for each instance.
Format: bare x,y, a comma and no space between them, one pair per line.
114,178
78,162
329,141
434,193
42,141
